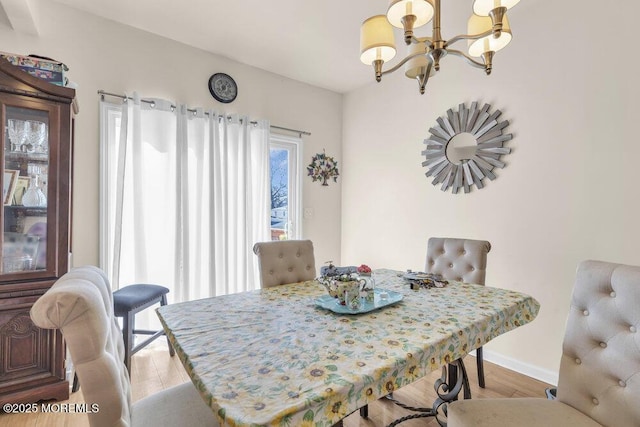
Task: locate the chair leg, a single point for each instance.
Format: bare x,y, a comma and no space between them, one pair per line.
172,352
364,411
128,323
480,364
76,383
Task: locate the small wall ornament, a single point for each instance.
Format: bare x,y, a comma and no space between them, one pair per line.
465,146
323,168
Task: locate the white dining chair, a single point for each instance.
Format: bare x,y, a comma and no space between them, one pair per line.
462,260
80,304
285,261
599,380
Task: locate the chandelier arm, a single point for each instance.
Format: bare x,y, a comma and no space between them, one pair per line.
416,40
401,63
470,60
469,37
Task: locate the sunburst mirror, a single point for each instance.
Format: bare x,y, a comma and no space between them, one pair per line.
465,146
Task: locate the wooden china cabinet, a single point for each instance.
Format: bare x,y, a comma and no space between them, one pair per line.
37,133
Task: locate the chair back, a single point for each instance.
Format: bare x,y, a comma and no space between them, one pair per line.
600,365
80,304
462,260
285,261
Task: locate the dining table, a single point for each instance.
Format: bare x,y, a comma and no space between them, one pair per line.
281,356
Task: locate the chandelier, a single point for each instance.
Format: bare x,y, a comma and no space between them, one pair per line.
488,28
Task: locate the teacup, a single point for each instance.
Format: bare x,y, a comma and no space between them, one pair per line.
349,293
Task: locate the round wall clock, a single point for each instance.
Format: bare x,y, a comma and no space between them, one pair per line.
223,88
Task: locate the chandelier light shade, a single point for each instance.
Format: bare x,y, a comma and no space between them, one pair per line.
489,32
409,14
398,9
420,66
376,40
481,24
417,65
484,7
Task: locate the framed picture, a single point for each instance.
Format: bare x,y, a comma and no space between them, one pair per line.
21,187
9,185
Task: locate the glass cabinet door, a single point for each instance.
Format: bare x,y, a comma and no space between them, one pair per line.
25,189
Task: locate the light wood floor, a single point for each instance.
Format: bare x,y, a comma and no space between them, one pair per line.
154,370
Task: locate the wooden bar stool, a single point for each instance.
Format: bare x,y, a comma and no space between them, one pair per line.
127,302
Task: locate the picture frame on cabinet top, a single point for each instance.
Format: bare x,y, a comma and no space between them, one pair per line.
9,182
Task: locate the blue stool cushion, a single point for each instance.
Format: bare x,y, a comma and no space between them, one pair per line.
133,296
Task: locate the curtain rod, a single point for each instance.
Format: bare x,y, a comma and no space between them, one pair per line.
102,93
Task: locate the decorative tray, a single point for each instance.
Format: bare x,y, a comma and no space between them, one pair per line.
330,303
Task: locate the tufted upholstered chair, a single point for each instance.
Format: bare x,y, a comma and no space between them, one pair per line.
285,261
599,380
462,260
80,304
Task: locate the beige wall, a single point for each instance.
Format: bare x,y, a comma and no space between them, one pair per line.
569,192
105,55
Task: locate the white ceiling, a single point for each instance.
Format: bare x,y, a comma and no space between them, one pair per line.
316,42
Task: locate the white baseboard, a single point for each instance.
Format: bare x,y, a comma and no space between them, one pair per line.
527,369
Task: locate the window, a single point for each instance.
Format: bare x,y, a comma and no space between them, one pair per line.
285,161
111,118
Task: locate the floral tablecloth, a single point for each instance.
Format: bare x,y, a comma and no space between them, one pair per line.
272,357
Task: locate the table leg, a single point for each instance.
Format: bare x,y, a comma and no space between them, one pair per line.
453,380
453,376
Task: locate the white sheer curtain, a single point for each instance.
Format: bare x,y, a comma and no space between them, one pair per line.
185,197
